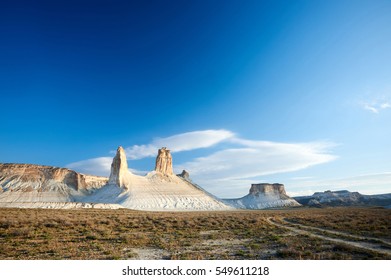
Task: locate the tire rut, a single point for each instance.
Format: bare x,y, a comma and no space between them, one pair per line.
344,234
358,244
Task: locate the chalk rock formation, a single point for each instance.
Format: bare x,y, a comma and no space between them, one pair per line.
40,177
119,169
274,189
50,187
159,190
164,162
26,183
262,196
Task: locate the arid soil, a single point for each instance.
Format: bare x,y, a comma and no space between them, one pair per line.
330,233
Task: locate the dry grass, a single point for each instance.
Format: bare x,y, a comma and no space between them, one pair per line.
370,222
120,234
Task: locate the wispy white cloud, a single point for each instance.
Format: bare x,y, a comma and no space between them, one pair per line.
180,142
260,158
376,106
96,166
236,166
371,108
301,178
385,105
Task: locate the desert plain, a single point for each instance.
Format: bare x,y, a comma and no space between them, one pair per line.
293,234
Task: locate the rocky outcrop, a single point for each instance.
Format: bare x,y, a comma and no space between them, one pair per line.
343,198
185,175
119,169
262,196
164,162
30,183
43,178
264,188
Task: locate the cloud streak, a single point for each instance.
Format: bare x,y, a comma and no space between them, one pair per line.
263,159
180,142
95,166
377,107
229,171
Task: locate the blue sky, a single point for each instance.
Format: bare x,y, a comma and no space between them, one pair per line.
295,92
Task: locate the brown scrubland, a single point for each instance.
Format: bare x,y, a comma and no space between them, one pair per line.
94,234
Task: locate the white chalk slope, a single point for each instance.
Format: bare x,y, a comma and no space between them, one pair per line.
157,192
154,192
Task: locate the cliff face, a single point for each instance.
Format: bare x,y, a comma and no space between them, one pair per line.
164,162
42,178
264,188
29,184
262,196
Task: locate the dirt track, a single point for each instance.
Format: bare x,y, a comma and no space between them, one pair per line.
367,243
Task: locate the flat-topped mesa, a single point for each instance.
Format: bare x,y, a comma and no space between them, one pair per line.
265,188
164,162
263,196
119,168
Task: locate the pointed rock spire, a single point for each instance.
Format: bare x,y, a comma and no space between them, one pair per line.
164,162
119,168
